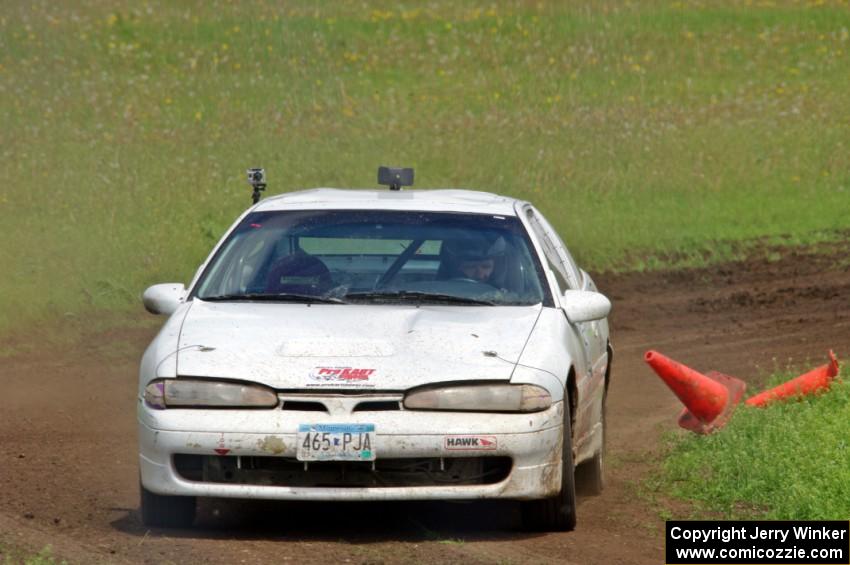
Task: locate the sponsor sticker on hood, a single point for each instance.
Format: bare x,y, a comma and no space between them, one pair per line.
354,377
479,443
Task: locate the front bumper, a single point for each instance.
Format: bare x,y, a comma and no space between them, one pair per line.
531,441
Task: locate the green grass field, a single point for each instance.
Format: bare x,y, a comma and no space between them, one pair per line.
10,555
789,461
651,133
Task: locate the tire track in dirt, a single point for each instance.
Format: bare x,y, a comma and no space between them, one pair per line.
68,471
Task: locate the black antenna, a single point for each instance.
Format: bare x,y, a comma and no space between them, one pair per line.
395,177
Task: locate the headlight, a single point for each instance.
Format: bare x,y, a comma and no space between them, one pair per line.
480,398
197,393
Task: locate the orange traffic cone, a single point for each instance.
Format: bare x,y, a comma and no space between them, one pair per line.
709,399
808,383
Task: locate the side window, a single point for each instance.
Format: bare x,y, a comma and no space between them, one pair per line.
571,270
572,263
550,250
243,257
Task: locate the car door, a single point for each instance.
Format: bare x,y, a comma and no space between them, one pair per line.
590,373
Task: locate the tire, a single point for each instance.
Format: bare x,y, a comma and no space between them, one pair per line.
161,511
556,513
590,475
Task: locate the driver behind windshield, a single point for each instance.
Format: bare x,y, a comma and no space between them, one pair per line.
475,259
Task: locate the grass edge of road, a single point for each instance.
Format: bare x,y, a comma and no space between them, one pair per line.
62,331
12,554
783,462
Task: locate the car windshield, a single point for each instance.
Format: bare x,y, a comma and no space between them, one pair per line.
368,256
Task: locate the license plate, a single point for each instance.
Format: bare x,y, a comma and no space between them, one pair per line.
336,442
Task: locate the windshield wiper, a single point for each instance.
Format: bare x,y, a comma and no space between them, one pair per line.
419,296
273,297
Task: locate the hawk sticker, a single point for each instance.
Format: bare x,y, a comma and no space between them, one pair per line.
472,443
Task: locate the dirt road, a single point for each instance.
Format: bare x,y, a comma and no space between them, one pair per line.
68,469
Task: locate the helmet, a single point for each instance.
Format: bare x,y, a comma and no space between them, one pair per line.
299,273
475,247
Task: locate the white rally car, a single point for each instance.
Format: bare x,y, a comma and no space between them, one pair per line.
378,345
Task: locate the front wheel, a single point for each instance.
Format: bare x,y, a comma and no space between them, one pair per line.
556,513
162,511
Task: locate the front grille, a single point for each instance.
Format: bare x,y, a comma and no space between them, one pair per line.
336,403
286,471
377,406
304,406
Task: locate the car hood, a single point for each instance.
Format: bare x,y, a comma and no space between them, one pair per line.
383,347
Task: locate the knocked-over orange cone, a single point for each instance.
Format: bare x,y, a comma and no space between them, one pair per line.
808,383
709,399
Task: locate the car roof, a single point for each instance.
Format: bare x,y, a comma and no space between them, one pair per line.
440,200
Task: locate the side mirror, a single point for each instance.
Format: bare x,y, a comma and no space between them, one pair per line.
585,306
164,298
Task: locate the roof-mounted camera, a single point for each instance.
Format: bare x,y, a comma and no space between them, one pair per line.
395,177
257,179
